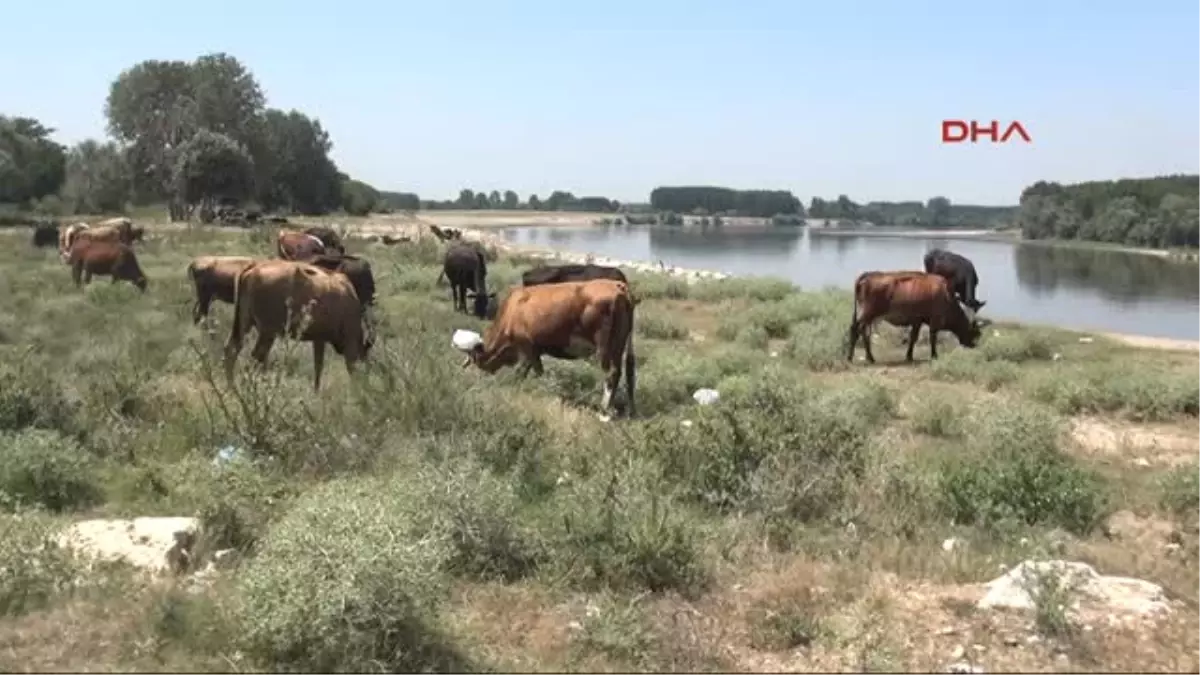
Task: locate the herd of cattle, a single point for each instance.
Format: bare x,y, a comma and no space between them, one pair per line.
315,292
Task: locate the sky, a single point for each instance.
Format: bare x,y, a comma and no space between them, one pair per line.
614,98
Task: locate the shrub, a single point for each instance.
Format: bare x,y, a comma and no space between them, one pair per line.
1016,472
349,580
43,468
939,414
970,365
658,327
1179,491
1139,392
622,529
819,345
1018,346
33,569
784,449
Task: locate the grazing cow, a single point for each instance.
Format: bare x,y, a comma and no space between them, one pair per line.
329,237
113,230
959,271
465,268
569,320
292,245
306,303
556,274
214,276
909,299
138,234
389,240
105,258
67,237
45,235
357,270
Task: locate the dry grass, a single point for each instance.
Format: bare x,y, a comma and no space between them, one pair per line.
796,526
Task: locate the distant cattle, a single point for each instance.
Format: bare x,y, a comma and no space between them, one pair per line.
909,299
214,277
466,269
329,237
292,245
569,320
959,271
356,269
389,240
45,235
555,274
105,258
448,234
303,302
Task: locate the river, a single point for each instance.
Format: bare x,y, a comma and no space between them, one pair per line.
1071,287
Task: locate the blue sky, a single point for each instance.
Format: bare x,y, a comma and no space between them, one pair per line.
613,98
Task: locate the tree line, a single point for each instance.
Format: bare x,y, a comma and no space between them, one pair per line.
1160,212
936,213
709,200
508,200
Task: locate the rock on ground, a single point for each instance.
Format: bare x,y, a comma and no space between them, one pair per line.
152,544
1114,594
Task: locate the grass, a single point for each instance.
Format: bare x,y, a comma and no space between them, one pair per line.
420,516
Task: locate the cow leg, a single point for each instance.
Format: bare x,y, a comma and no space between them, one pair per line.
77,274
932,343
853,339
865,329
262,347
87,277
913,334
318,363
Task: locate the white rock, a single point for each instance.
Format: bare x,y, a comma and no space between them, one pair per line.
1086,340
958,652
153,544
466,340
950,544
686,424
706,396
963,668
1132,596
1142,462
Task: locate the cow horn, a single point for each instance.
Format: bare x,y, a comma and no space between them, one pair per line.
967,310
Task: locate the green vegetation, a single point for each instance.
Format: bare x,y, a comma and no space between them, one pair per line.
419,516
1159,212
717,200
937,213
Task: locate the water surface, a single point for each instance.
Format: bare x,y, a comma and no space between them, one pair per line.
1080,288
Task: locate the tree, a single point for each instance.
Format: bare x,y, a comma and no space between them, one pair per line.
295,170
32,165
211,167
481,201
535,204
495,200
97,178
466,199
939,211
511,200
358,198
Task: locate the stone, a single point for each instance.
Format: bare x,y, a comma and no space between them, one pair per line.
155,544
1123,594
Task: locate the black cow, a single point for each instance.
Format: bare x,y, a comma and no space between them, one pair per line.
556,274
466,270
45,235
957,270
329,237
356,269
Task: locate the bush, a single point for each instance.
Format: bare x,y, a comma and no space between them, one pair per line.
939,414
349,581
1018,346
819,345
660,328
970,365
623,530
1179,491
1136,391
1016,472
33,569
43,468
783,449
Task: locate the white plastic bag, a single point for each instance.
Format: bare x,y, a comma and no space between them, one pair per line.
466,340
706,396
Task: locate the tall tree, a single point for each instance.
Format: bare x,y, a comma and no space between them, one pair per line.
294,169
97,178
511,200
211,167
32,165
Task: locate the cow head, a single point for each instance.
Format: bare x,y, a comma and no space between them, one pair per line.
976,305
490,362
970,334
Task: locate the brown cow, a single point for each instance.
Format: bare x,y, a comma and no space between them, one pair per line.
114,230
307,303
66,237
570,320
214,276
293,245
105,258
909,299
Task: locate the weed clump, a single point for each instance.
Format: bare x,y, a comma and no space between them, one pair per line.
33,568
45,469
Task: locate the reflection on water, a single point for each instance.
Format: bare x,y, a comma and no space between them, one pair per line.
1083,288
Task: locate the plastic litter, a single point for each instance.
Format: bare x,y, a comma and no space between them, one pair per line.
227,454
706,396
466,340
